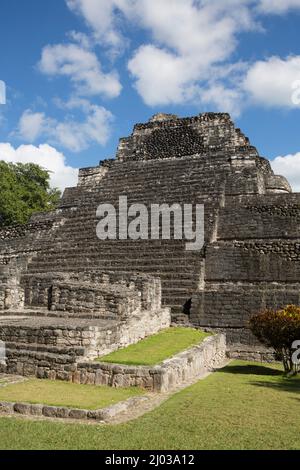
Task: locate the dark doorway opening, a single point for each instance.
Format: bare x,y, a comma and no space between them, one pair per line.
50,294
187,307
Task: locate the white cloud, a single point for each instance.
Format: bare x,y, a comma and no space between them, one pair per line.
188,38
278,6
223,98
82,67
191,44
2,92
288,166
82,39
272,82
61,175
205,30
100,16
161,77
31,125
194,39
71,134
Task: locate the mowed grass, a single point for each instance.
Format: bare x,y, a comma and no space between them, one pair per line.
55,393
243,406
157,348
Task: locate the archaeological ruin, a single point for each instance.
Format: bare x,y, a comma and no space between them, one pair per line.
67,297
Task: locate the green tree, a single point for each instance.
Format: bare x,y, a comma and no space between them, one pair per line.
24,190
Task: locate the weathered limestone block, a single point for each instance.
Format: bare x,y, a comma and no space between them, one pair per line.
7,408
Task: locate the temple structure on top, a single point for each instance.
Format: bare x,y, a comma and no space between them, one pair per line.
56,275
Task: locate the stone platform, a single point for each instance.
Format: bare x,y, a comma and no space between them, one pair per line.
49,343
187,365
50,347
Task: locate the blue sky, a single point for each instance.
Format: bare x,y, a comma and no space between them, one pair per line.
80,73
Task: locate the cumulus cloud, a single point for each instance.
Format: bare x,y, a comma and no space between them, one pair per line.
188,39
161,77
194,38
31,125
278,6
223,98
71,134
100,16
289,166
274,82
82,67
191,44
48,157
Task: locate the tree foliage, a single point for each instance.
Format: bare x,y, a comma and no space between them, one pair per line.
279,329
24,190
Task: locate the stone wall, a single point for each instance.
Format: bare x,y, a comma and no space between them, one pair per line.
253,264
172,372
93,294
91,177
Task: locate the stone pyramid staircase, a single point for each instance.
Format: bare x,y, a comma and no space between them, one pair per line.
74,246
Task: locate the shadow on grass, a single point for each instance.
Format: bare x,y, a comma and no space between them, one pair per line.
251,369
285,385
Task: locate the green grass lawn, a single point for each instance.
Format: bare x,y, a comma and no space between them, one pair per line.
243,406
157,348
55,393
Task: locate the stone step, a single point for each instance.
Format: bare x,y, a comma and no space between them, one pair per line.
176,278
176,258
30,311
120,252
111,247
180,319
44,359
178,293
149,268
114,260
159,175
42,348
89,211
148,193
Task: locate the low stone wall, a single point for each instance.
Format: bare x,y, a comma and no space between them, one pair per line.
187,365
93,293
104,414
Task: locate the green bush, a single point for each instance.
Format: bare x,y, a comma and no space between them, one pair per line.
279,329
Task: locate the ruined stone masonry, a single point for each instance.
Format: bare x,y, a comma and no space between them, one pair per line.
66,296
